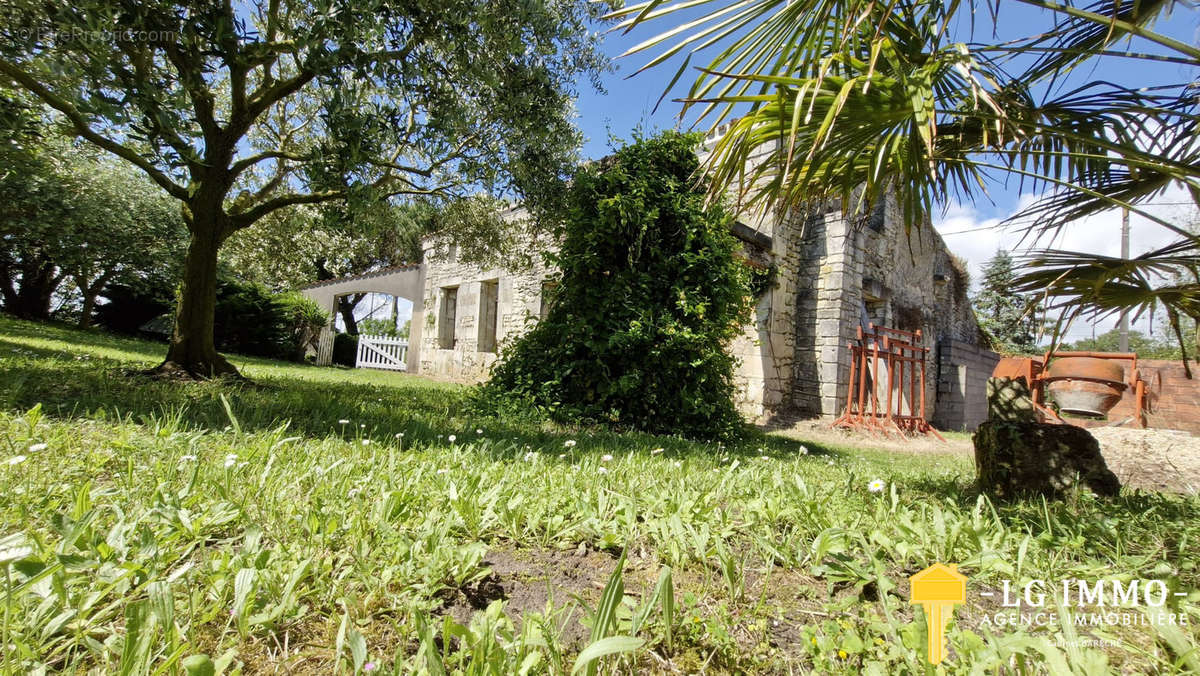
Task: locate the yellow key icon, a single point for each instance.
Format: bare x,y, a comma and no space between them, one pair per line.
938,588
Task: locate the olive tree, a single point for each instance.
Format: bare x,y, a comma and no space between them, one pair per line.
239,110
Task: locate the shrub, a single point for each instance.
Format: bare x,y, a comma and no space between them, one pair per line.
126,308
345,349
649,297
305,318
251,319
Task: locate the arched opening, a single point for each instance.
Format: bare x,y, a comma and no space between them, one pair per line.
373,313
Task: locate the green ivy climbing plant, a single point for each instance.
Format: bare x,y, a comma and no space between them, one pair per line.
649,297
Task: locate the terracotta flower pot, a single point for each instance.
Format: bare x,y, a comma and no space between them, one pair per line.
1085,385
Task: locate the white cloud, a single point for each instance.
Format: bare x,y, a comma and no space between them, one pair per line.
976,238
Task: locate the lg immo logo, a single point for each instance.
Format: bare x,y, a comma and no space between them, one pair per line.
1109,602
938,588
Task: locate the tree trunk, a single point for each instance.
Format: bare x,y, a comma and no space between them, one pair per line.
89,306
192,351
32,298
346,306
89,293
8,291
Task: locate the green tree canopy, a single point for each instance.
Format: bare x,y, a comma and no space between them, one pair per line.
238,110
1146,347
648,299
1009,317
67,213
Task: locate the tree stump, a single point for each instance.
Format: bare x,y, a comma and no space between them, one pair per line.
1017,455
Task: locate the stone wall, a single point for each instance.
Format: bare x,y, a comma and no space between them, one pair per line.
863,270
962,372
518,306
832,274
827,314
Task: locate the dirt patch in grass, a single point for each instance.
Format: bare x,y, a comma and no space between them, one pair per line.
1153,460
820,432
538,581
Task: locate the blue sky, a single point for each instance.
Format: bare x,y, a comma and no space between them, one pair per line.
969,229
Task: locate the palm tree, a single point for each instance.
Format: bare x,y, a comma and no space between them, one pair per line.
856,97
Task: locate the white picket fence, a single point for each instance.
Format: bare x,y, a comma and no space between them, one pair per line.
381,352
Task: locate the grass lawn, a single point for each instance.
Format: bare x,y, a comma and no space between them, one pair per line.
326,520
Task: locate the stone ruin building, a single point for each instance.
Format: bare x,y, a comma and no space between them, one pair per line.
831,275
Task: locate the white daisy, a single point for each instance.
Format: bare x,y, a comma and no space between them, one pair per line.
603,470
36,448
876,486
343,421
451,438
656,451
605,458
366,442
569,443
16,460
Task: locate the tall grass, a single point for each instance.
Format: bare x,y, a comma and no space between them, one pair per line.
320,519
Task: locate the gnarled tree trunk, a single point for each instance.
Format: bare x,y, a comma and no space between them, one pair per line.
31,300
192,351
89,291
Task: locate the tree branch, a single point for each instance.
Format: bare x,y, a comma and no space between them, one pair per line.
80,126
247,218
201,98
244,164
266,96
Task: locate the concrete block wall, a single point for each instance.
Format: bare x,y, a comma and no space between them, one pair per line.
962,373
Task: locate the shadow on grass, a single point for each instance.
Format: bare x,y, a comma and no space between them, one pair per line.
89,375
1083,521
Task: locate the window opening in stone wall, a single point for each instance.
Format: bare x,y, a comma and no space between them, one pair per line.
875,311
447,317
546,301
489,302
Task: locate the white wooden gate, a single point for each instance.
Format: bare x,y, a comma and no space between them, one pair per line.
381,352
325,347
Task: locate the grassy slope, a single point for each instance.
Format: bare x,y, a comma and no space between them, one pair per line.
168,520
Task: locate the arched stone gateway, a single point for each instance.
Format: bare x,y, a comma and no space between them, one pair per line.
406,282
